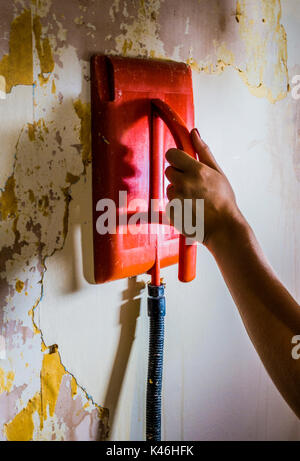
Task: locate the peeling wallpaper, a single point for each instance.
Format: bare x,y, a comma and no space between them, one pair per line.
45,47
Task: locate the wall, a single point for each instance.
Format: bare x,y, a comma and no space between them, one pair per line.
73,353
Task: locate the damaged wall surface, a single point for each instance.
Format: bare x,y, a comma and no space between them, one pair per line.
73,355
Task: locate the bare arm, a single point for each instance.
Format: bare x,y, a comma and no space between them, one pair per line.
270,315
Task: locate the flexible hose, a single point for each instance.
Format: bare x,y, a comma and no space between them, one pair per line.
156,312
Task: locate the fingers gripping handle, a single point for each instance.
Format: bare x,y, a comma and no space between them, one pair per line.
181,135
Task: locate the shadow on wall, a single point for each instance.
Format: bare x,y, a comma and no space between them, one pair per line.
129,313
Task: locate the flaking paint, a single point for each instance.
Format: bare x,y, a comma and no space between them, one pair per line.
83,111
8,200
43,50
17,66
22,426
6,380
19,285
265,42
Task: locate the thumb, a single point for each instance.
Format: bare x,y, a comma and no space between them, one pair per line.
204,154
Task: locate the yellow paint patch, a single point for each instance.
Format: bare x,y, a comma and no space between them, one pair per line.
31,314
43,80
19,286
31,131
127,46
53,88
17,66
73,387
72,179
51,376
83,111
8,199
36,130
21,428
6,381
43,50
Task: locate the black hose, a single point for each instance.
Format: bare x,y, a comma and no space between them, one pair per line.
156,312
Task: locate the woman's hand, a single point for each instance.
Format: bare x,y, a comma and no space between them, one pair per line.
203,179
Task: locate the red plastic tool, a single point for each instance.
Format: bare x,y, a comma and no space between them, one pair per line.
140,108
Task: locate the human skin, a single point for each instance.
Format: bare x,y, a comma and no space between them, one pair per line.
270,314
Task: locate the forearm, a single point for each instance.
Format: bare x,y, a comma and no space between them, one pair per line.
270,314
